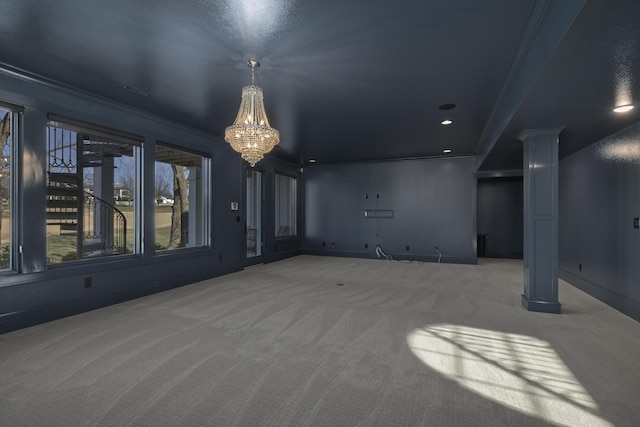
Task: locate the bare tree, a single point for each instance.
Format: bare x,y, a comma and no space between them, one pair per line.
126,175
180,210
5,133
163,180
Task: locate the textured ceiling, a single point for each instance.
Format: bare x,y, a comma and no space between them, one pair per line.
348,80
590,73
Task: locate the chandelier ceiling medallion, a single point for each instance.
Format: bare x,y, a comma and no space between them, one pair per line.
250,134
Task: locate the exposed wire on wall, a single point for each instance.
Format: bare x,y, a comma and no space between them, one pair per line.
439,254
380,253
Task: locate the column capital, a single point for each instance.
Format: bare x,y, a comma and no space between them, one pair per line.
532,133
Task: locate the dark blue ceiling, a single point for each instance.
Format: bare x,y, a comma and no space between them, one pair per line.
348,80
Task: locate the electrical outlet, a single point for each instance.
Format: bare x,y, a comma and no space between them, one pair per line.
408,247
333,245
580,267
324,244
88,282
220,258
636,222
366,245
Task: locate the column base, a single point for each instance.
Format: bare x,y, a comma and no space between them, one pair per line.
540,306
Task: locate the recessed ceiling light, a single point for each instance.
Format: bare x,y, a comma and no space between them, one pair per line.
312,160
447,106
623,108
447,150
446,122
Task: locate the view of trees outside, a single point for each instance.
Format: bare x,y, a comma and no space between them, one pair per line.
90,195
164,184
5,189
179,188
125,180
172,210
179,220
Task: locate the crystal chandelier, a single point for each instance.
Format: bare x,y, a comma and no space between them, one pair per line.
250,134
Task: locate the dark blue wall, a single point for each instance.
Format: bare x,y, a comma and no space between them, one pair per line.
500,216
37,292
433,203
599,196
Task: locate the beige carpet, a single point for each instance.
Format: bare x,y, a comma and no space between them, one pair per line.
320,341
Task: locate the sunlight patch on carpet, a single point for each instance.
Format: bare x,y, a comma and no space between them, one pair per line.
520,372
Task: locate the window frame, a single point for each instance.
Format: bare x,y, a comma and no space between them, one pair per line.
204,208
136,142
16,113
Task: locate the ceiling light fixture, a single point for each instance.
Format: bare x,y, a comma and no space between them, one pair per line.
312,160
447,150
446,122
623,108
250,134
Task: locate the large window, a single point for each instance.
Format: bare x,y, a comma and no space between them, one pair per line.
6,174
286,206
181,212
93,193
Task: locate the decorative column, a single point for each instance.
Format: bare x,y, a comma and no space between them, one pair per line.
540,172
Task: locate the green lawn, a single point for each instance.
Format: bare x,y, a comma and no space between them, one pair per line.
162,237
5,237
61,248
